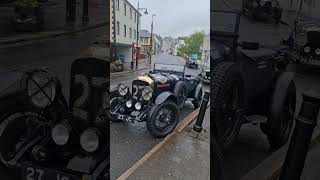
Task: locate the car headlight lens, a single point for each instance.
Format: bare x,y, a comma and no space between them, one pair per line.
123,90
317,51
307,49
89,140
147,93
129,104
137,106
60,134
41,88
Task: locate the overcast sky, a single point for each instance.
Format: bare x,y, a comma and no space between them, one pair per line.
175,17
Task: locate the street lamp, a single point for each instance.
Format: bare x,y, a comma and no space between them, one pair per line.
145,12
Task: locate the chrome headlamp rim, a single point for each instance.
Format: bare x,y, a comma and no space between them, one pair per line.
41,87
123,89
147,93
306,49
317,51
92,146
60,134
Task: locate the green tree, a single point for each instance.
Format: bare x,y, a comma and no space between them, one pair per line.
192,44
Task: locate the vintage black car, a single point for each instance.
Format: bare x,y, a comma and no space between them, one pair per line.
191,63
50,138
262,9
156,98
304,41
249,85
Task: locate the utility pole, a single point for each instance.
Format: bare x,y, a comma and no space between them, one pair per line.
114,48
137,37
151,49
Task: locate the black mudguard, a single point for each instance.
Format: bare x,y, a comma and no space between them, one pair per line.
162,97
280,91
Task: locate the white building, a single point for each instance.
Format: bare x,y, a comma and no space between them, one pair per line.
177,44
125,27
205,51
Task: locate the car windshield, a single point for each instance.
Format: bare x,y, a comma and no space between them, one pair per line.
169,68
225,21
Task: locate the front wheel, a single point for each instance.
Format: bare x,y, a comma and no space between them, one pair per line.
180,92
227,99
279,125
16,130
115,99
163,119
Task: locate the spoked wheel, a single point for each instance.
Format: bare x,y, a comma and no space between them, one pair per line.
17,130
230,125
114,102
163,119
227,99
180,91
280,123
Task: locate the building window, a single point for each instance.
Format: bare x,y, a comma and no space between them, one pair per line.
118,5
135,17
125,8
125,30
130,32
118,27
135,34
130,13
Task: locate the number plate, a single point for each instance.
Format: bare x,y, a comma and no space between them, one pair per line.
30,172
125,118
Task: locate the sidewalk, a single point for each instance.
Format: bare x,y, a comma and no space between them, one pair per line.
54,21
182,157
142,65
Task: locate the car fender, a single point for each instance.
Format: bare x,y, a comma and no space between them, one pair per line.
280,91
162,97
198,89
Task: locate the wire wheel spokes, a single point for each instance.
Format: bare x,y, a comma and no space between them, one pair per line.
17,131
182,96
230,106
164,119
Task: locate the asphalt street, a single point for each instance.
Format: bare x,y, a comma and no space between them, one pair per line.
130,142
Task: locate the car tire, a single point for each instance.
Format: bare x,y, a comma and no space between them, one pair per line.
113,100
226,77
197,97
153,115
180,92
278,128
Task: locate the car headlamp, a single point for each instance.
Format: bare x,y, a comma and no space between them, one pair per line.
41,88
147,93
60,134
307,49
137,106
317,51
89,140
123,90
129,104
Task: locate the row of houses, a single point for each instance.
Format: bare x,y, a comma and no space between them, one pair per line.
171,45
126,37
